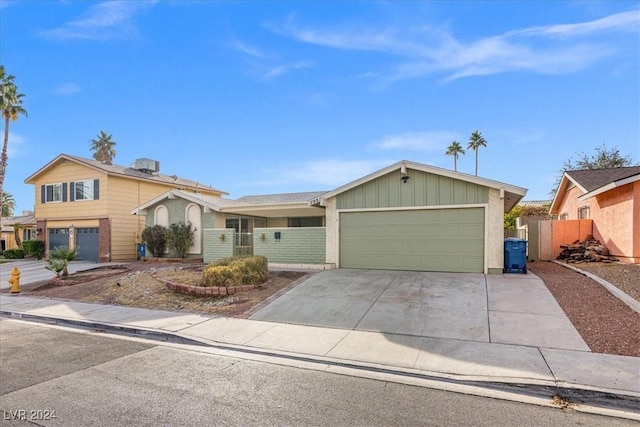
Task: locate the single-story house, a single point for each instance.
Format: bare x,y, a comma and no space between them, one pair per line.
407,216
25,225
611,199
85,204
237,220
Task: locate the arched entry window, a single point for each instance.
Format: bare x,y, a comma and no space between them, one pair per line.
194,217
161,216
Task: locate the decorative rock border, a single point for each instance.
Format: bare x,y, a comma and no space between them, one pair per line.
203,291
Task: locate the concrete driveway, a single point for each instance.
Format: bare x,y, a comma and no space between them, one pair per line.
32,270
507,309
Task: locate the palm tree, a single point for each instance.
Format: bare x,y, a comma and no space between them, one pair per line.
11,107
8,204
103,148
17,230
455,150
476,141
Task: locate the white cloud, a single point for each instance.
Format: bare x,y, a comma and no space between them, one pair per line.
107,20
246,49
417,141
552,49
280,70
624,21
67,89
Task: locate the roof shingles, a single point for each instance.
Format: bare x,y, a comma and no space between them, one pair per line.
592,179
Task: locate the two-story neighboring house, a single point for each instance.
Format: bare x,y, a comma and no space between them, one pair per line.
86,204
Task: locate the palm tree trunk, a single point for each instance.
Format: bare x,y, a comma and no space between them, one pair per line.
4,157
16,235
476,162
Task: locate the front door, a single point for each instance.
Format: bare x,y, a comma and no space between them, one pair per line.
244,239
194,217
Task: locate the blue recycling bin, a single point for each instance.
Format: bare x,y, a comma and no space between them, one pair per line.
515,255
142,250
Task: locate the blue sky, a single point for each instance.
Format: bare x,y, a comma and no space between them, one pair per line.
274,97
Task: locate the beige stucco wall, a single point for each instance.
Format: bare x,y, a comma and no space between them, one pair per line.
331,218
494,241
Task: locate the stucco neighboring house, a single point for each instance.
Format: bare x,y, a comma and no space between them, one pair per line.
407,216
611,199
26,224
86,204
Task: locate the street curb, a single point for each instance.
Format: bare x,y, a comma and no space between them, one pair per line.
535,392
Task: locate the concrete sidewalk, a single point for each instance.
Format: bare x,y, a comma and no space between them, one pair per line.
447,360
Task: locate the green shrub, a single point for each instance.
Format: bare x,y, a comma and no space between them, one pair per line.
179,238
34,248
14,253
58,266
59,259
236,271
156,239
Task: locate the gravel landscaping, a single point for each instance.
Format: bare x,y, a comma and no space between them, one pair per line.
605,323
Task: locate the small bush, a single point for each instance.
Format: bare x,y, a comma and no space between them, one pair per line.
34,248
56,265
59,260
180,238
236,271
156,239
14,253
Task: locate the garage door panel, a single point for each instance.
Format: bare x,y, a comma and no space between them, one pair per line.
423,240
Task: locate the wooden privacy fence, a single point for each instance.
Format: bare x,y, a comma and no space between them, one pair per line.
546,237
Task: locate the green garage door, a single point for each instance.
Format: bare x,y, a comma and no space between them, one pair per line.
422,240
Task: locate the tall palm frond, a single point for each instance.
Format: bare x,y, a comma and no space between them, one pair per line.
103,148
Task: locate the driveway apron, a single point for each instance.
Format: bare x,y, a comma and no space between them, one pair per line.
506,309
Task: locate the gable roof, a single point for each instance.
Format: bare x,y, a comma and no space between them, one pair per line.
271,205
512,193
592,182
591,179
281,199
25,221
535,203
123,171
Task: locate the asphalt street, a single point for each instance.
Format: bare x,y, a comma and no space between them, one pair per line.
54,376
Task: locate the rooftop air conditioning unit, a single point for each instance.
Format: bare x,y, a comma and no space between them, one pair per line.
146,165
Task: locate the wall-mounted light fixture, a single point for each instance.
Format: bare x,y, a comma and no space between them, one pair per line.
38,231
263,236
222,237
403,172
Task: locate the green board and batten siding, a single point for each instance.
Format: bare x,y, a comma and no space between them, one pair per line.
376,233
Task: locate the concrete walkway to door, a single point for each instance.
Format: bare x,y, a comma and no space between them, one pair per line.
506,309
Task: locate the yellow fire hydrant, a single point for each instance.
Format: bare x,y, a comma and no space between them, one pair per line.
14,280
